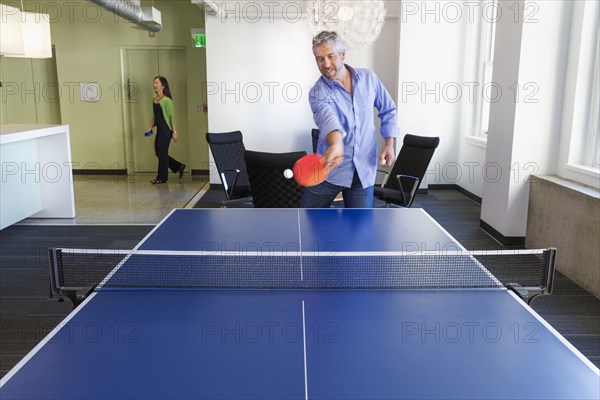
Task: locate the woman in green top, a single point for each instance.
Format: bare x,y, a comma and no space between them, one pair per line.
164,120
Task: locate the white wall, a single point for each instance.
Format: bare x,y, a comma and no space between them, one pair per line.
431,89
259,75
260,70
524,129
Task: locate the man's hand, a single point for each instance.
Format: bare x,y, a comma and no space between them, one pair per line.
334,156
175,136
387,157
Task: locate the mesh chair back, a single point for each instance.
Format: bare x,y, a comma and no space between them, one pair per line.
413,160
228,152
270,188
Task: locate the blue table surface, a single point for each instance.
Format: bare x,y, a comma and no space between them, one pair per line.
441,344
277,344
328,230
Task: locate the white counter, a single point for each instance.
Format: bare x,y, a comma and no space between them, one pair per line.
36,176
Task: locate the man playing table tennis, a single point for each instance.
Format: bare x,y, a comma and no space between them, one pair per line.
342,102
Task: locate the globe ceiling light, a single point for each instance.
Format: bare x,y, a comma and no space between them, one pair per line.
358,22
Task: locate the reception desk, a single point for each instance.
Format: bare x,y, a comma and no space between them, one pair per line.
37,177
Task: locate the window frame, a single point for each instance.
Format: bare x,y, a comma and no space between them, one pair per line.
579,139
484,69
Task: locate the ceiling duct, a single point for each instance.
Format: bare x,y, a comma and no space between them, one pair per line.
210,7
147,18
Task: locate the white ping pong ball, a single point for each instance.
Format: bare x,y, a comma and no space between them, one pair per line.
288,174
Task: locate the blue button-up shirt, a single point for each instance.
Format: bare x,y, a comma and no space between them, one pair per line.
352,114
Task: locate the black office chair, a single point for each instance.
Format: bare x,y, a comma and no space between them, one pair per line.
270,188
408,171
315,139
228,151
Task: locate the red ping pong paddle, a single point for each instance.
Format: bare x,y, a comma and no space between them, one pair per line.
310,170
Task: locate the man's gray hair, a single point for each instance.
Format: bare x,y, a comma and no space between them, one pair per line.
329,38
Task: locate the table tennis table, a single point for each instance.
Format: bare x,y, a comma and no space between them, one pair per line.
157,341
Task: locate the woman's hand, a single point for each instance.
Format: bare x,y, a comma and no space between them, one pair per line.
175,136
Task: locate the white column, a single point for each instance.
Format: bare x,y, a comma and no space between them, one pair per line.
529,61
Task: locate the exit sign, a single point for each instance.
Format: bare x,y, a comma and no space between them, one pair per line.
201,40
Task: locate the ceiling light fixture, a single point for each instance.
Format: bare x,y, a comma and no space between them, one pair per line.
24,34
36,35
358,22
11,35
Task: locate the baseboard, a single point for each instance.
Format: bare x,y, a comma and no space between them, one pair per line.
195,172
200,172
504,240
470,195
100,172
442,187
487,228
459,189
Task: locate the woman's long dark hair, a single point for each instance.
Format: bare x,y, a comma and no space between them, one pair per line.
165,83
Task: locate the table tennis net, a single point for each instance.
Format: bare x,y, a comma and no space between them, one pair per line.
112,269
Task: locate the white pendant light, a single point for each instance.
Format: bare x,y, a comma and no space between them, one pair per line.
11,35
36,35
358,22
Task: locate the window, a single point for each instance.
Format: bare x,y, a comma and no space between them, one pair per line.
488,36
580,153
591,151
484,33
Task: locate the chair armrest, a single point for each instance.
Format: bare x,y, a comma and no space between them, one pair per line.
385,178
228,192
411,191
